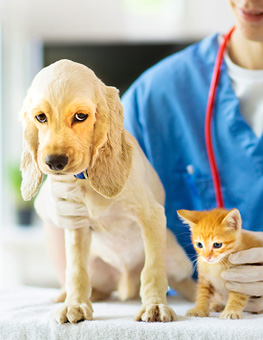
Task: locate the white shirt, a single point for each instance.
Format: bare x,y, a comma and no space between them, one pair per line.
248,87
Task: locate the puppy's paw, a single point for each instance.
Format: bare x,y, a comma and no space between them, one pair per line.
230,314
197,312
74,313
156,312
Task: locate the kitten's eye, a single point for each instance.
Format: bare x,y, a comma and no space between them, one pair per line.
80,117
217,245
199,245
42,118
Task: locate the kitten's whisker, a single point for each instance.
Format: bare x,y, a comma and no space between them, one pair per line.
188,245
183,233
193,257
193,265
223,261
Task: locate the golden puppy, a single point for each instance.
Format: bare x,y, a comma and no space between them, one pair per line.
73,123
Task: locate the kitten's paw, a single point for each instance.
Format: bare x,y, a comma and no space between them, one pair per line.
156,312
197,312
74,313
217,307
230,314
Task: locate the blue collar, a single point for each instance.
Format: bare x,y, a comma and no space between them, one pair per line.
82,175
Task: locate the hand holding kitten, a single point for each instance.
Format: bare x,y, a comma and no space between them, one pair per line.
247,276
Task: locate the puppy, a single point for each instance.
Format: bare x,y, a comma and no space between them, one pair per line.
73,124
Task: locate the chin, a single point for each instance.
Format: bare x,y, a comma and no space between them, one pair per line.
251,32
212,261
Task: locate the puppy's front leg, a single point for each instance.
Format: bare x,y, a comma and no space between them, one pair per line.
153,276
77,306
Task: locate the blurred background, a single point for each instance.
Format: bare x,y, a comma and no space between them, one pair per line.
118,39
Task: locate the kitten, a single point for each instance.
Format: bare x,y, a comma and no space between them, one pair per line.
215,235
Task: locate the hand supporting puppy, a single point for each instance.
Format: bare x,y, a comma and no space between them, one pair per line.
65,212
247,277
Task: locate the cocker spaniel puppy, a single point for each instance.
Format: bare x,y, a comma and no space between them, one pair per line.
73,125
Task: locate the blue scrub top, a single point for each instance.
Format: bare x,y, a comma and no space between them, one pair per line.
165,110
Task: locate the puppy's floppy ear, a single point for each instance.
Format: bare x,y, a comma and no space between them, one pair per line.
112,154
31,175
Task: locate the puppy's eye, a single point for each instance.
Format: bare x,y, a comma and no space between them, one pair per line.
42,118
80,117
199,245
217,245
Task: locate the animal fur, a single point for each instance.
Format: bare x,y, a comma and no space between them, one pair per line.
121,244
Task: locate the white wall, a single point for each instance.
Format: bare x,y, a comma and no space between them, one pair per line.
116,19
1,135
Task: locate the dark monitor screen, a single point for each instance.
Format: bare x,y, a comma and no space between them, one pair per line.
117,64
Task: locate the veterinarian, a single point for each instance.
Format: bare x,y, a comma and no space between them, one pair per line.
165,109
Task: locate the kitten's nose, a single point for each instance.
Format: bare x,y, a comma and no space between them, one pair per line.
56,162
208,258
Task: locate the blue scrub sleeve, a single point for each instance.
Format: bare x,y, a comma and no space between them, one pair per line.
132,116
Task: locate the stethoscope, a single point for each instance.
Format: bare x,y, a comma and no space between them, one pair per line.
208,120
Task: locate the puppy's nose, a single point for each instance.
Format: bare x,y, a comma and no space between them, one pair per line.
56,162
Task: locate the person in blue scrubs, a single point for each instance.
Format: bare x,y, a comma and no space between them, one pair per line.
165,110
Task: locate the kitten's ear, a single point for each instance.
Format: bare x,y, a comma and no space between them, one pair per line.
233,220
190,217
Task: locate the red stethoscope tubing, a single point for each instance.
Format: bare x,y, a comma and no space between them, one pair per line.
208,121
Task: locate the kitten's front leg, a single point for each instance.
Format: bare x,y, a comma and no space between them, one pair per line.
204,293
235,305
77,306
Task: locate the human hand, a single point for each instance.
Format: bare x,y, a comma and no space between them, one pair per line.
247,277
65,208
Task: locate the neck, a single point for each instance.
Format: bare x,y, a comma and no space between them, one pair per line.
245,53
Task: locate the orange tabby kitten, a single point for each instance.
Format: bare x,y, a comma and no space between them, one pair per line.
215,235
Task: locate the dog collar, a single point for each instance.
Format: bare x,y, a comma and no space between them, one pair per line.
82,175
